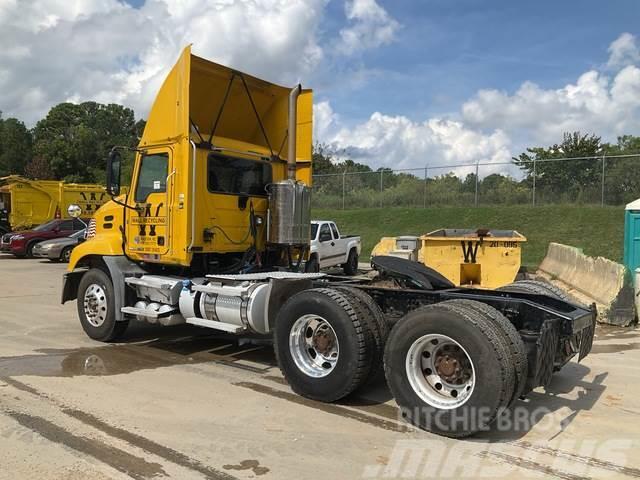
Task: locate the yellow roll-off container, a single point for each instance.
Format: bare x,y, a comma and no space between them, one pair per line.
32,202
477,258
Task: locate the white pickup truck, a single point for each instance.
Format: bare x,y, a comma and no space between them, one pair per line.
330,249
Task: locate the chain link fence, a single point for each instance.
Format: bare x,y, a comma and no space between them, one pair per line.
603,180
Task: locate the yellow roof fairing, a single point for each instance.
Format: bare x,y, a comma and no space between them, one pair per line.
194,92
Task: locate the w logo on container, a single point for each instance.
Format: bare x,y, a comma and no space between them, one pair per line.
470,251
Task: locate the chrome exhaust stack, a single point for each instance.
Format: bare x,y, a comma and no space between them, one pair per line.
292,131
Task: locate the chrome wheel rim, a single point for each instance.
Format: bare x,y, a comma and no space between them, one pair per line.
440,371
313,344
95,305
66,255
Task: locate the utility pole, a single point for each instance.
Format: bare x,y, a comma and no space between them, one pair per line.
604,160
477,181
426,175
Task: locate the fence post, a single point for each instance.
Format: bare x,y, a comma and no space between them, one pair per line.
533,197
604,159
426,175
381,174
477,181
344,176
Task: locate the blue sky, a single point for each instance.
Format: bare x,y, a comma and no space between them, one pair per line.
447,50
397,83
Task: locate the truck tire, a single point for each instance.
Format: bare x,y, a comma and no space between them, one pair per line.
537,287
323,344
351,267
96,307
378,325
511,337
312,266
449,369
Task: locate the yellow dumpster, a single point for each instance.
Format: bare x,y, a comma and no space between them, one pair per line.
479,258
482,258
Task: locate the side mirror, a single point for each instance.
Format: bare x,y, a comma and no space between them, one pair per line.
114,164
74,211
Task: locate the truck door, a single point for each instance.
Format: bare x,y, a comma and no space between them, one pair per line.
148,228
325,246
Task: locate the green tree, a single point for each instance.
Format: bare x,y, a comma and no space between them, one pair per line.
15,146
568,180
76,139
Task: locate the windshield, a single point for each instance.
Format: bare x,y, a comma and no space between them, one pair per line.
45,227
78,234
314,230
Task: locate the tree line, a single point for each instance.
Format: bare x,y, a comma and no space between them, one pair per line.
557,178
70,143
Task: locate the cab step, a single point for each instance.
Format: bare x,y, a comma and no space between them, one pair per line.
225,327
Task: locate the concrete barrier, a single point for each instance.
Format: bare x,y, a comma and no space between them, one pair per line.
591,279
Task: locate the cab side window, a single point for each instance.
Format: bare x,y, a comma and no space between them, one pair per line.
325,233
152,177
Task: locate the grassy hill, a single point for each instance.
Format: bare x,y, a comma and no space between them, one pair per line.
597,230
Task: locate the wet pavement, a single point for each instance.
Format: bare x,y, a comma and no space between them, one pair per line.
184,402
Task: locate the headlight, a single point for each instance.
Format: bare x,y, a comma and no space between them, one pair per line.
44,247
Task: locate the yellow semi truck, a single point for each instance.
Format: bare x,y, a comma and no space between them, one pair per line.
214,232
25,203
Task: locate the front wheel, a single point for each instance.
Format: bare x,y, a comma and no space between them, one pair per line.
312,265
65,255
96,307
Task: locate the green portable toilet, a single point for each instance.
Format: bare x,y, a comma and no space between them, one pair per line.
632,237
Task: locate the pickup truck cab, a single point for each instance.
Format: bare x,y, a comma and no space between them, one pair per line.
330,249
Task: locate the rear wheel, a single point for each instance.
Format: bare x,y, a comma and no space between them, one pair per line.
351,267
96,307
449,369
378,326
511,338
323,344
537,287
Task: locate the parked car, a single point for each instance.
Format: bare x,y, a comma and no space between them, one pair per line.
59,249
330,249
21,244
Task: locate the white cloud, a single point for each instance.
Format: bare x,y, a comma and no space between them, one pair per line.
397,142
104,50
595,103
324,120
370,26
624,51
493,125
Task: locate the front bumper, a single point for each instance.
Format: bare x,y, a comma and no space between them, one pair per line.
50,253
